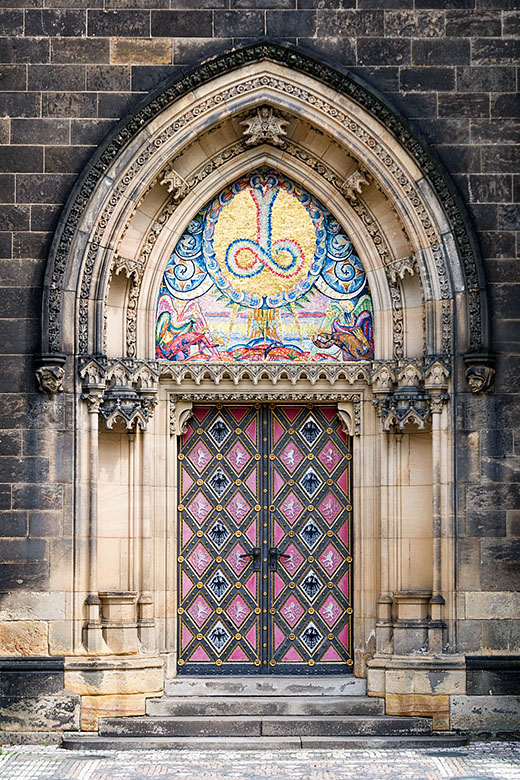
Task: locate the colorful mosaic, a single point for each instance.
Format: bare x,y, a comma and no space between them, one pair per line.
264,273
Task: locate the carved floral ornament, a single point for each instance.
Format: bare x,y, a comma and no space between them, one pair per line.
65,243
406,392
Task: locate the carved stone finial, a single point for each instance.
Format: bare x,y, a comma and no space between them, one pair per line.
480,371
264,126
175,183
397,269
353,184
50,373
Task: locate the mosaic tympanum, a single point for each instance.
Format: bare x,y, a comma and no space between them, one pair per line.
264,272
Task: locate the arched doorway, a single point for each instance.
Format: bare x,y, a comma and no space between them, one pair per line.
264,108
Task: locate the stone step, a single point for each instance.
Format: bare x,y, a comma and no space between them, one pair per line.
434,742
268,685
268,726
264,705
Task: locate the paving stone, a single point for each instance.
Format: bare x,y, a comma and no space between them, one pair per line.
292,760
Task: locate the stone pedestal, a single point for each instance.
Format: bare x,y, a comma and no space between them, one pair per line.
412,619
119,621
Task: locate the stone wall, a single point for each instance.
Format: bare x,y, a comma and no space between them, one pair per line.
70,69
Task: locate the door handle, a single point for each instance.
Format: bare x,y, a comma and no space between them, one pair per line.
274,557
254,554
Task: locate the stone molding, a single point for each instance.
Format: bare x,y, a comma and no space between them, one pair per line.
347,85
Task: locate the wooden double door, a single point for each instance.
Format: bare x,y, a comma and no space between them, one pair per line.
265,541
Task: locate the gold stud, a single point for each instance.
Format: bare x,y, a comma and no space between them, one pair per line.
180,611
292,585
349,559
181,456
199,637
200,482
349,610
219,559
292,637
350,662
272,457
180,507
238,533
330,637
237,431
349,508
272,611
311,558
219,456
238,585
199,534
291,430
200,585
219,507
181,558
257,610
310,508
238,481
330,533
329,430
311,610
330,584
257,507
272,663
310,456
238,637
330,482
292,533
290,482
180,662
311,662
257,457
199,431
258,662
349,457
218,662
219,610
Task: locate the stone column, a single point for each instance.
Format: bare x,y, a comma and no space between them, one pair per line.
93,632
145,605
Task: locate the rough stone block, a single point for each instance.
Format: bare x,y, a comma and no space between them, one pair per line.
110,706
483,682
186,24
81,50
428,51
51,22
499,560
501,635
23,637
141,52
189,51
69,104
488,523
473,105
43,188
21,159
484,131
390,51
480,714
25,49
342,47
473,24
494,51
120,23
13,523
414,24
55,77
11,22
435,707
55,712
145,78
340,23
13,77
39,131
290,23
20,104
427,79
108,78
238,23
89,131
114,681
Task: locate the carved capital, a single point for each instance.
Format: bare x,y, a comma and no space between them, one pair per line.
436,376
480,371
50,373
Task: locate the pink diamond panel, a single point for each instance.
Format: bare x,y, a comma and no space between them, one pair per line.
330,611
238,456
200,559
238,610
330,559
199,507
291,457
200,456
292,611
199,610
237,563
238,507
329,508
330,456
291,508
294,561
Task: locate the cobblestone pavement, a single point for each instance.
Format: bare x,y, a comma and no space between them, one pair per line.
478,761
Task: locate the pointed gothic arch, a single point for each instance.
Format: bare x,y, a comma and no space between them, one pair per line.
331,134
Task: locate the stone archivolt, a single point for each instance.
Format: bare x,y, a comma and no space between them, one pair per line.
145,185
